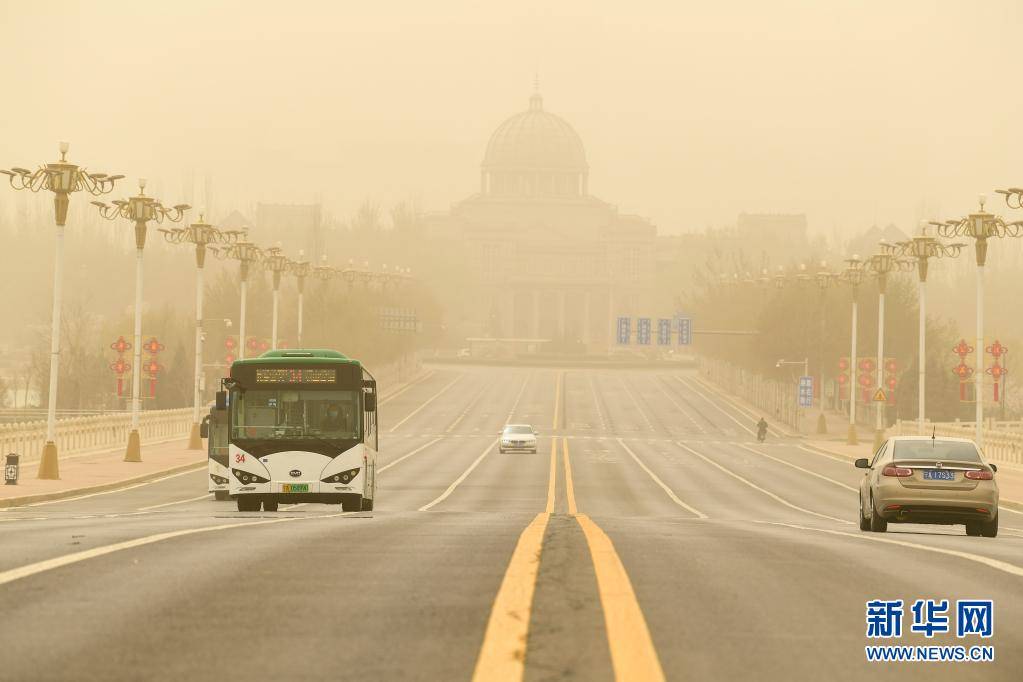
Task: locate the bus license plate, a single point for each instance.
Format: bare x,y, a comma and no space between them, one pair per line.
935,475
294,487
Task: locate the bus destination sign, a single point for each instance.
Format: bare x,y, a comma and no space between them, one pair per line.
296,375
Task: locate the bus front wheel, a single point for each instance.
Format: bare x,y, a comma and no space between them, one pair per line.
248,503
269,505
351,503
367,504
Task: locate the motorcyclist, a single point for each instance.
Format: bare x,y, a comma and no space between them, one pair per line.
761,429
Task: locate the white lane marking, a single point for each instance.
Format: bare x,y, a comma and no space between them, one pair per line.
678,406
596,403
465,474
758,488
715,405
407,387
635,402
426,402
168,504
113,490
823,454
406,456
58,562
665,488
1008,509
795,466
472,403
515,405
996,564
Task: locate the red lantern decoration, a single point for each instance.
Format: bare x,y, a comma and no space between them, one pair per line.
230,344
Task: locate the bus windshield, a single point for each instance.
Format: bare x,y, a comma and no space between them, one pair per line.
290,414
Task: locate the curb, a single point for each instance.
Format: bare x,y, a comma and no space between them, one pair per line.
101,487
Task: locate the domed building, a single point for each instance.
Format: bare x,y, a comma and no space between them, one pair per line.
547,264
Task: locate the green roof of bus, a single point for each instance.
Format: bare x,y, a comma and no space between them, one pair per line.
300,356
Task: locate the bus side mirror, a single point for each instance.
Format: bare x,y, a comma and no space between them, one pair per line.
204,428
371,402
221,403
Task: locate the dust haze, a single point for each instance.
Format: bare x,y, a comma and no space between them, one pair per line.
717,140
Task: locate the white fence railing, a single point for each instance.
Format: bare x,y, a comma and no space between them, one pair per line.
773,397
78,435
1003,441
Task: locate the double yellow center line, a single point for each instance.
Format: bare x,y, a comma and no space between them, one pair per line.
503,653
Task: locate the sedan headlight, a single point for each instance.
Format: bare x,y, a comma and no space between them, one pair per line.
341,476
247,477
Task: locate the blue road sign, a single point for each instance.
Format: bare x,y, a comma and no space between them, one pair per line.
643,331
806,391
624,330
685,331
663,332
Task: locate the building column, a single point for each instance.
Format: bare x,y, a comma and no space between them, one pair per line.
536,314
561,315
586,319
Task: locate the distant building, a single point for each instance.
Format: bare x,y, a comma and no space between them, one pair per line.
544,258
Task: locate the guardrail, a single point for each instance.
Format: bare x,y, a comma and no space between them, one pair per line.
1003,441
775,398
81,435
78,435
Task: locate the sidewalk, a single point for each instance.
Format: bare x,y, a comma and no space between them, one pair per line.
1010,477
100,471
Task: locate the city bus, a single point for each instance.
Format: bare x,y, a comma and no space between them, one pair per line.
302,427
214,430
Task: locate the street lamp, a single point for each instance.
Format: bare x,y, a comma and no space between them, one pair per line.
981,226
922,248
246,253
276,262
201,234
853,276
324,273
62,178
805,362
824,279
300,269
1013,196
140,209
881,265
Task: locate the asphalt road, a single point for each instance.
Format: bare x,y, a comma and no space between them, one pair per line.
650,535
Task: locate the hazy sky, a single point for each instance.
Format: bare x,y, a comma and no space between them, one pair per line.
690,112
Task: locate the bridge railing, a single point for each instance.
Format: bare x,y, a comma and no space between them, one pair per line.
78,435
1003,441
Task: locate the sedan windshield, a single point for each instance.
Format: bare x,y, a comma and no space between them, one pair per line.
936,450
518,428
296,414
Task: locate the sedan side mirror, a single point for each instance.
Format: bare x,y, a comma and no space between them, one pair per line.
994,468
862,463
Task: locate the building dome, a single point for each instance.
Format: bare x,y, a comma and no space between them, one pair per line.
535,154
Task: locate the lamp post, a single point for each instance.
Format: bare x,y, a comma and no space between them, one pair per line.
922,248
881,265
324,273
981,226
63,178
246,253
300,269
853,275
140,209
201,234
276,262
824,279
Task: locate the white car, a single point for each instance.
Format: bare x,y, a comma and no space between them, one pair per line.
518,438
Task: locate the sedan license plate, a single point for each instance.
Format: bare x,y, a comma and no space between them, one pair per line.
294,487
938,475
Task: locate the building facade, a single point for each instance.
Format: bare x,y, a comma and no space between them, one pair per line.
544,258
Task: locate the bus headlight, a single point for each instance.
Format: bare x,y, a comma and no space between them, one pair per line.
219,480
248,477
341,476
